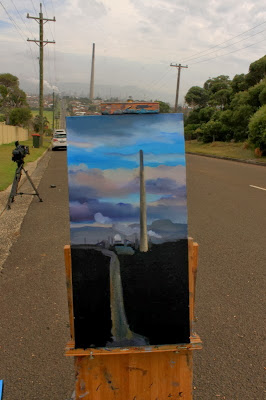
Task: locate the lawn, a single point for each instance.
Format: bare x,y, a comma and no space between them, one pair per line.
8,167
223,149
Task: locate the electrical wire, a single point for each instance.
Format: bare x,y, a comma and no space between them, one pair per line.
225,47
226,41
231,52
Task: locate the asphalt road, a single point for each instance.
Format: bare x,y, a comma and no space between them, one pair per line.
226,218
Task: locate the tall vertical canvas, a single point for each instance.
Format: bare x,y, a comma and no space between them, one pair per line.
128,224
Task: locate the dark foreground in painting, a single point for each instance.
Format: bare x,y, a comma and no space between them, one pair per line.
153,287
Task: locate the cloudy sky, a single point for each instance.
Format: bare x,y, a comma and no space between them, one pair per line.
103,165
136,40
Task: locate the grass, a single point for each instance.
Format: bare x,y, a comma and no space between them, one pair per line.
223,149
8,167
47,114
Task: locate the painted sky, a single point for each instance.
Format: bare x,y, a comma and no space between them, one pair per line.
135,43
103,169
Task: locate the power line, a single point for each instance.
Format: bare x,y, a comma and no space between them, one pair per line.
234,51
13,22
229,45
226,41
34,6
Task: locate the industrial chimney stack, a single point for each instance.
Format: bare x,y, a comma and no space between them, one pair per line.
92,73
143,246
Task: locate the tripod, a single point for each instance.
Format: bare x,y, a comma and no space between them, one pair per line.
16,180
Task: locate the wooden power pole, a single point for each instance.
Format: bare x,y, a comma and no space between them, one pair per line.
179,66
41,43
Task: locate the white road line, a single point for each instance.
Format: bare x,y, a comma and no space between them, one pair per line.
257,187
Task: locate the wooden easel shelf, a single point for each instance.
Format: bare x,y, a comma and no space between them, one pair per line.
195,344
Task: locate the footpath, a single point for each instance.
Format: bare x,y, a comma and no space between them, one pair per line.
34,325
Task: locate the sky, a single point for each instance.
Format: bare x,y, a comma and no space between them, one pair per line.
103,168
136,41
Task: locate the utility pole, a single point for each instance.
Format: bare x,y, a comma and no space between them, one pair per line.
53,112
179,66
41,43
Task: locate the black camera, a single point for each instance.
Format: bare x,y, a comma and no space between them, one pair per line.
19,152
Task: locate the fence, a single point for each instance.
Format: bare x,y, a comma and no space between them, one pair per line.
9,133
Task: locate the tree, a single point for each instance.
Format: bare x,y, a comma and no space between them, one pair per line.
213,130
262,96
11,96
164,107
240,119
20,116
257,71
239,83
196,96
221,98
206,113
213,85
37,123
257,129
254,94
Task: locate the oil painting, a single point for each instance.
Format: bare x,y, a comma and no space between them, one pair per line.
128,228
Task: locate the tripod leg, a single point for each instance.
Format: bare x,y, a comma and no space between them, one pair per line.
14,186
32,184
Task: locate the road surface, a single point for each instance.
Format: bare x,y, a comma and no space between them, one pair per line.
226,218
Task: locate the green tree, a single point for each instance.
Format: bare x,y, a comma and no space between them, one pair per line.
197,97
11,96
262,96
37,123
164,107
239,83
257,129
254,94
213,85
239,99
20,116
213,130
205,114
221,98
240,119
257,71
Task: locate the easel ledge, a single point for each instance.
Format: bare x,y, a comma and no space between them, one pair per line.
195,344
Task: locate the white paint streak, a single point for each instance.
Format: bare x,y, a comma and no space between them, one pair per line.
257,187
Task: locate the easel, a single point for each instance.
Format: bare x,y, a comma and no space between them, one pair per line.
143,373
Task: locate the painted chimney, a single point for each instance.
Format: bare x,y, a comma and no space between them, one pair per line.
143,246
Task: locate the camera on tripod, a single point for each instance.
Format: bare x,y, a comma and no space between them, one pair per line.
20,152
18,155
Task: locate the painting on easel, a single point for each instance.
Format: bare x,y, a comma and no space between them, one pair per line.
128,225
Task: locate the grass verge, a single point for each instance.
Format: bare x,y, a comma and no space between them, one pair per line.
224,149
8,167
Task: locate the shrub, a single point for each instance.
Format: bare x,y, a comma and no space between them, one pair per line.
257,129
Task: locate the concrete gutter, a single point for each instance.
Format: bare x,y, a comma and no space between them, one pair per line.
11,220
262,164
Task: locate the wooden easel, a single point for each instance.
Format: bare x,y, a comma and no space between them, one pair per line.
138,373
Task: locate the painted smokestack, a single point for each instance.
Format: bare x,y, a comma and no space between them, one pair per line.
143,246
92,73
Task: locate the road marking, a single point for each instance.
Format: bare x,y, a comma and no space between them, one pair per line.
257,187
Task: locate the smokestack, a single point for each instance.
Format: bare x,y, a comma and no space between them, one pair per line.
92,73
143,246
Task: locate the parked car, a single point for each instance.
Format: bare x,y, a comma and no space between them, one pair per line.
59,139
